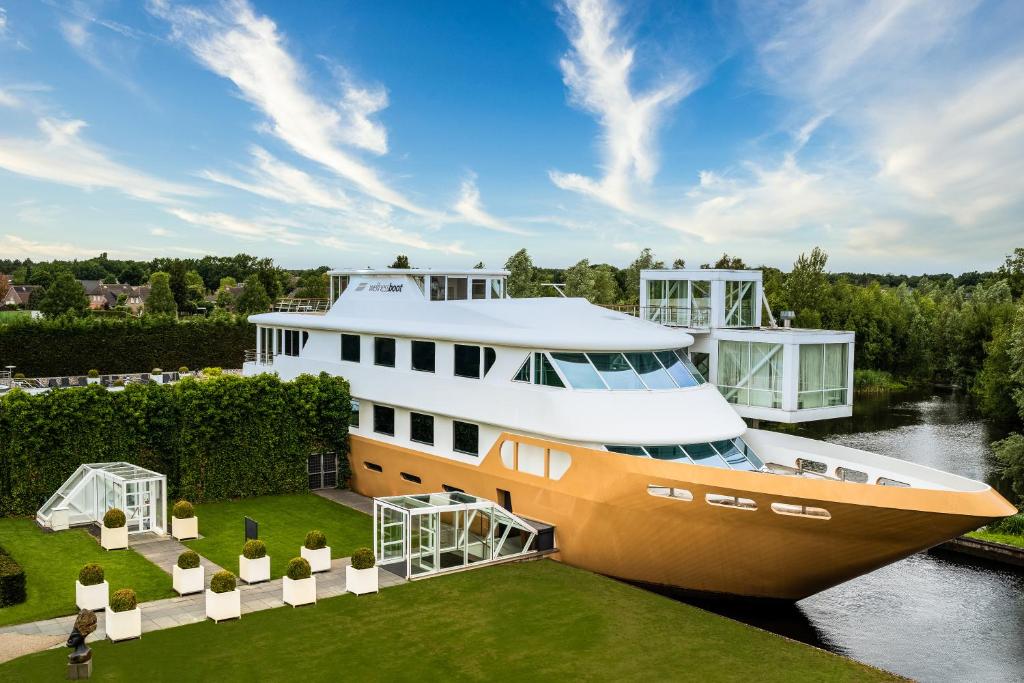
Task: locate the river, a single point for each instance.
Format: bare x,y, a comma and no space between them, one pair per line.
933,616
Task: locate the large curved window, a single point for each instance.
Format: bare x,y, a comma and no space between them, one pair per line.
617,373
630,371
732,454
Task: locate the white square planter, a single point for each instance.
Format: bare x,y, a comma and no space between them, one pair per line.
92,597
187,581
92,380
124,625
299,591
254,571
361,581
319,560
221,606
159,379
185,528
113,539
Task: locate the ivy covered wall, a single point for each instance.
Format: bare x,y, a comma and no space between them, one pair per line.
217,438
122,345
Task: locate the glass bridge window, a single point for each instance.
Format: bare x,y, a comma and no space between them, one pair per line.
733,455
616,372
705,454
578,370
628,450
673,453
650,370
675,367
684,358
544,373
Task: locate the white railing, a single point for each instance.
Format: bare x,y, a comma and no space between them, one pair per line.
261,357
288,305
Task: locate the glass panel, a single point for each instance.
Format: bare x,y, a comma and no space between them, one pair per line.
390,535
479,289
701,377
490,355
423,356
739,303
497,288
628,450
437,287
478,536
350,347
765,375
458,288
700,303
353,414
674,453
578,371
384,420
465,437
421,428
467,361
615,371
523,375
544,373
650,370
384,351
733,455
704,454
424,542
680,374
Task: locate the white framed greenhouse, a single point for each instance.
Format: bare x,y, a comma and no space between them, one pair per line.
97,487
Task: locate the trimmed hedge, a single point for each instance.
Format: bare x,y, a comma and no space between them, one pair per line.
123,600
363,558
315,540
114,518
216,438
254,549
188,560
223,582
90,574
183,510
122,345
12,581
298,569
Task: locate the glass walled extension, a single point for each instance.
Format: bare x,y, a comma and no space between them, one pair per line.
424,535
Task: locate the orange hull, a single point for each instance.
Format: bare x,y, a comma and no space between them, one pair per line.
607,522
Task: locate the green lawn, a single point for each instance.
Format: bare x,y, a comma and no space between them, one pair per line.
530,621
52,560
284,521
12,316
1006,539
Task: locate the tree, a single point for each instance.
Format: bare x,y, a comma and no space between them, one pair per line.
807,288
227,281
65,295
401,261
521,282
1009,456
679,264
645,261
161,298
606,286
1013,271
313,285
133,274
254,297
19,276
177,271
580,281
35,298
726,262
225,300
479,265
4,285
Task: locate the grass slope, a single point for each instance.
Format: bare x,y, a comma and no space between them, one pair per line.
52,561
284,522
529,621
1005,539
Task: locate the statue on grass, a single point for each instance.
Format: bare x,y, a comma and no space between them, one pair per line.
80,660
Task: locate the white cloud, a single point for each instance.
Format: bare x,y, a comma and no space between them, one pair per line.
471,208
62,156
335,243
41,251
160,232
628,247
597,72
274,179
246,229
8,100
248,50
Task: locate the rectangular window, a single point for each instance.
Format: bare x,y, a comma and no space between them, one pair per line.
465,437
750,373
497,288
479,289
544,373
739,303
467,361
421,428
437,286
458,288
423,356
350,347
291,342
384,351
353,414
823,375
384,420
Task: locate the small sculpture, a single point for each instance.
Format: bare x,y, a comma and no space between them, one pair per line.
80,660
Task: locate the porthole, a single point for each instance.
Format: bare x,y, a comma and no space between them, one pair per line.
372,466
800,511
451,489
855,476
812,466
730,501
886,481
411,477
669,492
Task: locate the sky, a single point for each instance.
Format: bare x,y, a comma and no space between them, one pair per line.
341,133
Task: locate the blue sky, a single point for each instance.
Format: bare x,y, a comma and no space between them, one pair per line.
889,132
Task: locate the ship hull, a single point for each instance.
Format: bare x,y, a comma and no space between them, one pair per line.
608,522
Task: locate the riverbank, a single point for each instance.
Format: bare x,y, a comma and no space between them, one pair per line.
979,544
876,381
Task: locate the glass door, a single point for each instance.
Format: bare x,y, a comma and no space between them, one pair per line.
424,544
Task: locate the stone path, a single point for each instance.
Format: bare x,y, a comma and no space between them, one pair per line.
163,551
349,499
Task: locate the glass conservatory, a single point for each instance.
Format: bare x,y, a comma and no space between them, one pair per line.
423,535
97,487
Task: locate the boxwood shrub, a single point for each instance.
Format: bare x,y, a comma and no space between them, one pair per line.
298,569
183,510
362,558
222,582
114,518
123,600
1014,524
12,581
254,549
188,560
315,540
90,575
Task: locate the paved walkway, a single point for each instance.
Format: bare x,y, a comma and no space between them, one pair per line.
163,551
349,499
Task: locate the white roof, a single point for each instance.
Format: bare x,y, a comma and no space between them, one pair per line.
487,272
542,323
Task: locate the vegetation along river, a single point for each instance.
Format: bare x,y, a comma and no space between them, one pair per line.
934,616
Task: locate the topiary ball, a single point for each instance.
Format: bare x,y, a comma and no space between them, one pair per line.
298,569
212,372
254,549
188,560
90,575
114,518
93,374
222,582
183,510
315,540
123,600
182,370
362,558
